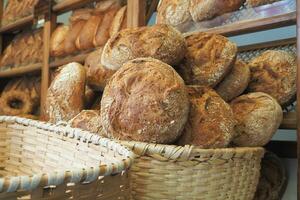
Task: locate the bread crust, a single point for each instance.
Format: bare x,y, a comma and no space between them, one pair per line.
209,58
73,33
161,42
57,40
236,82
274,72
255,3
211,121
145,100
258,117
119,21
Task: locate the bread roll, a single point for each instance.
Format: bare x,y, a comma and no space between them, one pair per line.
209,58
65,97
119,22
159,41
236,82
88,120
211,121
258,117
274,72
175,13
145,100
69,42
255,3
97,74
57,40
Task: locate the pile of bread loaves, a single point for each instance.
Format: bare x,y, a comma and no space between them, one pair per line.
160,87
89,28
181,13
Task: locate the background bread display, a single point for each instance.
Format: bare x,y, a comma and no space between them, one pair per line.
208,59
57,42
145,100
258,117
211,121
159,41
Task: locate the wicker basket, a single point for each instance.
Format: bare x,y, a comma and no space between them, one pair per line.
171,172
42,161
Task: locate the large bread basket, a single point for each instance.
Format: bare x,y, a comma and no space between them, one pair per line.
172,172
43,161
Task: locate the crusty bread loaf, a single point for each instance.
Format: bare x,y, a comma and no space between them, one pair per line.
255,3
145,100
161,41
236,82
209,58
274,72
175,13
57,40
211,121
119,22
65,97
88,120
97,74
258,117
75,29
80,14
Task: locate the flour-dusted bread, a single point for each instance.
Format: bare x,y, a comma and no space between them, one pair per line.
236,82
274,72
88,120
161,42
258,117
57,40
255,3
145,100
97,74
209,58
175,13
65,97
211,121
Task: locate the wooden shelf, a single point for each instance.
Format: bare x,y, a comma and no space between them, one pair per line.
80,58
69,5
289,121
20,70
17,25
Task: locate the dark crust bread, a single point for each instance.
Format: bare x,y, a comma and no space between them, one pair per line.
236,82
209,58
145,100
274,72
258,117
211,121
161,42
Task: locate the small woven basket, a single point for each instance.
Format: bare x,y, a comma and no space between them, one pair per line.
179,173
43,161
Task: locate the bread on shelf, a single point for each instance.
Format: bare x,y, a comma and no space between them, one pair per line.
57,47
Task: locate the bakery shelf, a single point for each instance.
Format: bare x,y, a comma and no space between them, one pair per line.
68,5
289,120
20,70
17,25
284,149
62,61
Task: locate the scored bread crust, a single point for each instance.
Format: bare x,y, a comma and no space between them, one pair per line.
258,117
209,58
161,42
145,100
274,72
119,22
236,82
211,121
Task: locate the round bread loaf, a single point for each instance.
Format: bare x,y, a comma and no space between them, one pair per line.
175,13
209,58
97,74
258,117
211,121
88,120
65,97
274,72
162,42
236,82
145,100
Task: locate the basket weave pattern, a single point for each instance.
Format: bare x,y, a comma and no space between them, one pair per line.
41,161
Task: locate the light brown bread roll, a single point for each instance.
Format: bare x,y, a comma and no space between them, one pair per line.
258,117
119,22
57,40
236,82
255,3
161,42
145,100
65,97
88,120
274,72
175,13
97,74
69,42
211,121
209,58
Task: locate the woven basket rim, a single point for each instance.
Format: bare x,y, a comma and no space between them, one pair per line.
88,174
